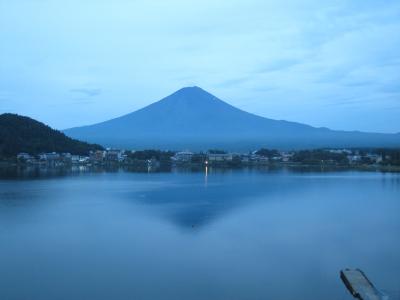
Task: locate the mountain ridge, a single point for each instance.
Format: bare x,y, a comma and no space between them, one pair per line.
192,118
23,134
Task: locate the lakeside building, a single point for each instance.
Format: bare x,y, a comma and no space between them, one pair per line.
286,156
245,158
152,164
213,157
107,156
254,158
84,160
66,158
49,157
183,156
219,157
340,151
75,159
258,159
97,156
25,157
354,158
374,158
112,156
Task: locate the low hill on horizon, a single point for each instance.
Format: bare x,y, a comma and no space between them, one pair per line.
23,134
192,118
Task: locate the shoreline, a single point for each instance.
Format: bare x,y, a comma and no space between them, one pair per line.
197,167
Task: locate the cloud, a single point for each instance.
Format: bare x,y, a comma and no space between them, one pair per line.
359,83
279,65
87,91
287,59
5,102
391,88
4,96
233,82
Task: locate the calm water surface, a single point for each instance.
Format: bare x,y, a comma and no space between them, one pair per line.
228,235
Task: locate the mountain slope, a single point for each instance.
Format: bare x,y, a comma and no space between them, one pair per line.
192,118
23,134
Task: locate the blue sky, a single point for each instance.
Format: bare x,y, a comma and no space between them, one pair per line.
325,63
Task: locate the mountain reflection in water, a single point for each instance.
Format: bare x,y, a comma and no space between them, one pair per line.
88,233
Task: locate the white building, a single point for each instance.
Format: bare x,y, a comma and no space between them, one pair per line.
183,156
49,156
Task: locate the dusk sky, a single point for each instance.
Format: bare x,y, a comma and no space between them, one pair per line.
325,63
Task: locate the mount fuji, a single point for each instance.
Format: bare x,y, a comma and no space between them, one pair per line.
192,118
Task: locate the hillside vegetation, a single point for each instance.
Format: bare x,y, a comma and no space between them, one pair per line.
23,134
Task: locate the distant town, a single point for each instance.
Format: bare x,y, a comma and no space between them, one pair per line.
153,159
25,141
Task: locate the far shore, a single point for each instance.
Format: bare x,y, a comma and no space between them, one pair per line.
198,167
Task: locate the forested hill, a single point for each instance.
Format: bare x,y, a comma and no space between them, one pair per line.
23,134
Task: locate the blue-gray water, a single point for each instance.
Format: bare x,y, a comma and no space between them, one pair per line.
229,235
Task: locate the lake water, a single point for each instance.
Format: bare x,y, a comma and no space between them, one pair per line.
237,234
